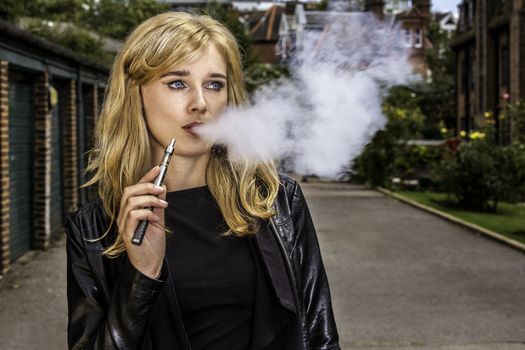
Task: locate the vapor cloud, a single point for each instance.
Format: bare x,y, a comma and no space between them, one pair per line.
318,121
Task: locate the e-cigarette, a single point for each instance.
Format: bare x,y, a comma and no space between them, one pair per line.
138,236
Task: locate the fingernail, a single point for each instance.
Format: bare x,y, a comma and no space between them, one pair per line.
163,201
159,188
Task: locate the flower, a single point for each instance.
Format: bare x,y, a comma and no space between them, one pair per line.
462,133
505,96
444,130
477,135
487,114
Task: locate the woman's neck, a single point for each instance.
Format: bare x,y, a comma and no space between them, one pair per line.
183,172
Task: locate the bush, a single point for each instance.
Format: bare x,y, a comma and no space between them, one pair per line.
385,157
480,175
415,162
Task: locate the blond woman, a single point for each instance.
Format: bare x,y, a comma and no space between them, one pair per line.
230,259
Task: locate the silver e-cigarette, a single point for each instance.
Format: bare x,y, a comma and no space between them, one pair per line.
138,236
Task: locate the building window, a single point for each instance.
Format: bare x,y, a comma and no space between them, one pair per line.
470,14
471,77
464,76
408,37
505,66
418,38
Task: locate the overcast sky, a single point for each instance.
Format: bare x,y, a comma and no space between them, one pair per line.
445,5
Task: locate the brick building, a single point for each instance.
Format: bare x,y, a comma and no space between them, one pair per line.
49,97
413,20
490,51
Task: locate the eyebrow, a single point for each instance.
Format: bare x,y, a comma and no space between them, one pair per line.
185,73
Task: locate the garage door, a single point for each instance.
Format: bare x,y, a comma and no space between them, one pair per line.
21,131
56,171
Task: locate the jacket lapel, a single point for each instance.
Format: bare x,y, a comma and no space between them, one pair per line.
275,265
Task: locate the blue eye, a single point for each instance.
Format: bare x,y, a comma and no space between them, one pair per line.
176,85
217,85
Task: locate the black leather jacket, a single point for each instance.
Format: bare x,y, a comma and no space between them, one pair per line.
109,301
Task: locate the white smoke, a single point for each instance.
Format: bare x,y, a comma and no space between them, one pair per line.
318,121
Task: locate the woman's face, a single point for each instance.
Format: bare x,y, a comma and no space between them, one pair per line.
192,92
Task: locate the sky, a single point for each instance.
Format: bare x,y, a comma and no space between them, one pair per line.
445,5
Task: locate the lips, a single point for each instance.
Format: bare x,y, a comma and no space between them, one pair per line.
189,127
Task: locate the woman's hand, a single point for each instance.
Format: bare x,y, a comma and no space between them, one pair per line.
147,257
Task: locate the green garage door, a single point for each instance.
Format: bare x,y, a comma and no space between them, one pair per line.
21,130
56,172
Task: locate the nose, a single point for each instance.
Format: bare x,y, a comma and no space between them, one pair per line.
198,103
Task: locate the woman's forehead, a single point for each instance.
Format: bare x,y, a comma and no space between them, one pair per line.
208,61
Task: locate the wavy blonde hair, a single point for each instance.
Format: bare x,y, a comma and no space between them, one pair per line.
244,192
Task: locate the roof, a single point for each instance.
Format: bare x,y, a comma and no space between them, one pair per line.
264,26
8,30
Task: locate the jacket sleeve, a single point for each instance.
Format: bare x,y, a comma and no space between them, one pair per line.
94,322
312,281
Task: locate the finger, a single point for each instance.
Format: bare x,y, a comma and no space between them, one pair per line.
159,211
150,175
128,200
141,189
139,202
137,215
162,195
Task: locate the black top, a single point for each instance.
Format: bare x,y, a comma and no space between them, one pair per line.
214,276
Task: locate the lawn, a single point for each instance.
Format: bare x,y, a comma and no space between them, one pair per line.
509,220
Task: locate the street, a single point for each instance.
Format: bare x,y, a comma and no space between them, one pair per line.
405,279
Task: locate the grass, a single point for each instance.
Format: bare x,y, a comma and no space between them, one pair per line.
509,220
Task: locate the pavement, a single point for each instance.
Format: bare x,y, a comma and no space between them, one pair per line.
400,278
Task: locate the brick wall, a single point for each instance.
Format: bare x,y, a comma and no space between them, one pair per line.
42,165
69,149
4,167
90,112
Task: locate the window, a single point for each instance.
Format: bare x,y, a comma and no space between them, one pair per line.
464,76
408,37
418,38
470,14
505,66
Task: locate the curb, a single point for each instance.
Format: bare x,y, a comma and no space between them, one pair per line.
486,232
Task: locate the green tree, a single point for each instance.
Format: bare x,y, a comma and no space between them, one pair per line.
75,19
227,16
117,18
438,97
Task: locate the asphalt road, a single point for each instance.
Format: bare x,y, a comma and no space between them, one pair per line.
400,279
405,279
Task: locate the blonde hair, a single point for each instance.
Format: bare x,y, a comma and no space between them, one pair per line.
244,192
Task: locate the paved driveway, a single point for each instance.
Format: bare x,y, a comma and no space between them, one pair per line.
405,279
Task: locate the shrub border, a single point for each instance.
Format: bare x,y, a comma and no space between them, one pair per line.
473,227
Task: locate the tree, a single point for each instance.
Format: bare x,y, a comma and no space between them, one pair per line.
117,18
76,23
438,97
227,16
